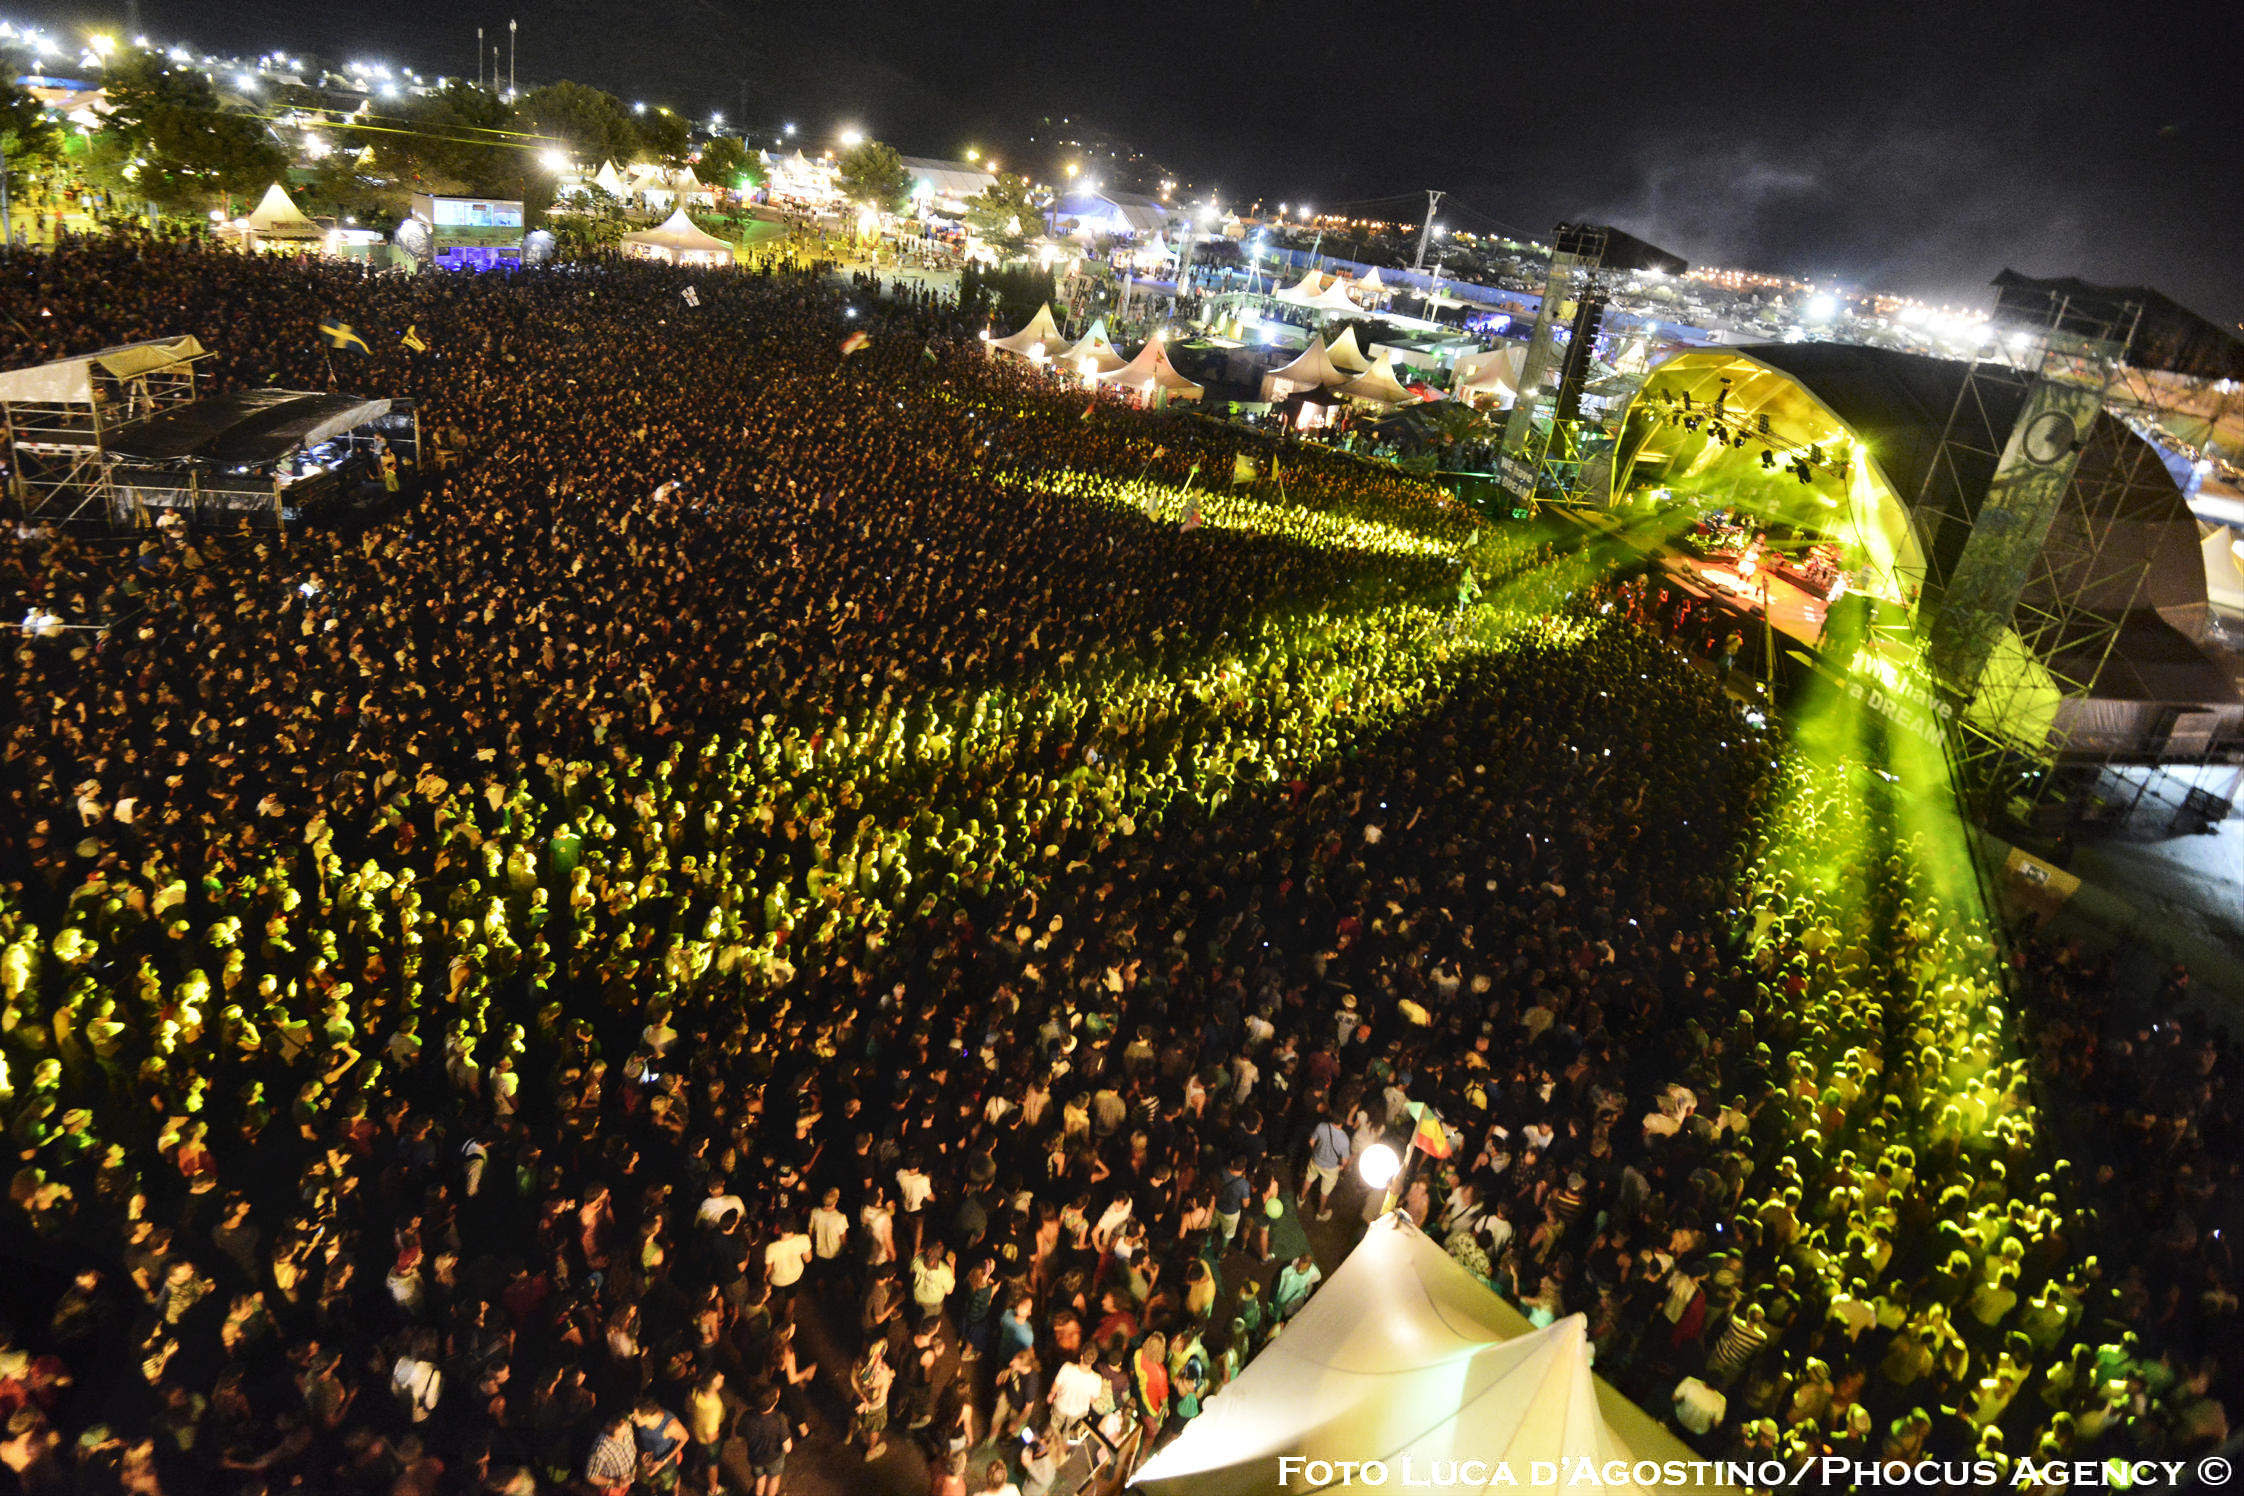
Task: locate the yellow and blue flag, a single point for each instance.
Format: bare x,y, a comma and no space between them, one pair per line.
340,335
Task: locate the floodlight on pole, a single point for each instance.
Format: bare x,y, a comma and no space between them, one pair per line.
852,137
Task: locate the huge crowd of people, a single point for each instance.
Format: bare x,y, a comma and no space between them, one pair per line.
820,918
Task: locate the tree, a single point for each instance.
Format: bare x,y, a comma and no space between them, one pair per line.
874,174
1004,214
453,142
168,141
591,125
29,144
727,163
663,134
339,186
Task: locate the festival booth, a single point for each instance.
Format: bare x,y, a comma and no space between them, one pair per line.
678,242
611,181
659,188
1151,378
465,233
1348,354
275,226
1369,288
797,180
1491,378
1092,354
1308,410
1377,385
1314,369
1405,1362
1038,342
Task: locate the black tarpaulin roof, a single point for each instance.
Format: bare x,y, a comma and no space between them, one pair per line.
249,428
2167,335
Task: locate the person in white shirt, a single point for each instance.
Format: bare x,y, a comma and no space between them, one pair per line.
913,1188
829,1228
786,1255
719,1203
1075,1387
1699,1407
934,1275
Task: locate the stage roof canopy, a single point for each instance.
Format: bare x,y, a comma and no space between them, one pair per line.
69,381
2168,336
245,429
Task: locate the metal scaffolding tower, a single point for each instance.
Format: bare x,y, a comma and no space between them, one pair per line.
2034,558
57,421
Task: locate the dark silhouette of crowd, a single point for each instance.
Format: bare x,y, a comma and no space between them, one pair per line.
837,918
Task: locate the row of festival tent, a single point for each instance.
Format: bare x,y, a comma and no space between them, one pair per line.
1093,356
1342,367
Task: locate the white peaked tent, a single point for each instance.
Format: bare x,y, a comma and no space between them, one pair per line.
610,181
1347,354
1369,285
1334,299
1491,377
1378,384
1303,293
678,242
1405,1355
1092,354
1042,335
278,217
1314,369
1150,376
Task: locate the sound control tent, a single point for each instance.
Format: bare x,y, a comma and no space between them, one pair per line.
1403,1355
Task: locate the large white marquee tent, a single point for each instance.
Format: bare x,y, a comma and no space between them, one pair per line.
1403,1355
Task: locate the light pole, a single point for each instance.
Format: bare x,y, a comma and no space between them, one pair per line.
1426,231
510,29
1191,241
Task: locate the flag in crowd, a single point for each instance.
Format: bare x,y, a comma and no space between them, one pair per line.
1192,521
413,340
340,335
1431,1138
691,296
854,341
1243,470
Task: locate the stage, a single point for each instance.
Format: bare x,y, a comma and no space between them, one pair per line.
1793,612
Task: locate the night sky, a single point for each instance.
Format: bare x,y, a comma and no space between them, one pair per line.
1912,148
